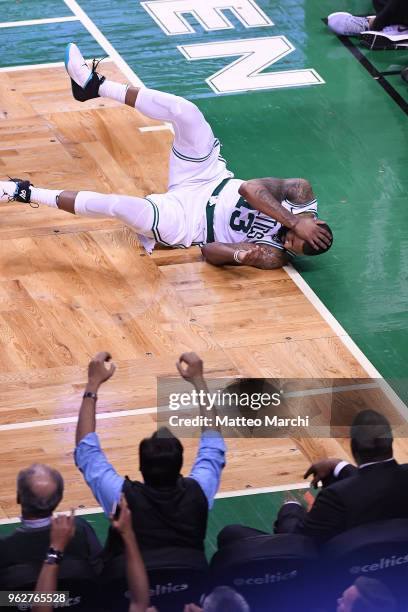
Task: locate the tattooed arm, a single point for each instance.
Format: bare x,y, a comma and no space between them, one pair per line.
257,255
266,195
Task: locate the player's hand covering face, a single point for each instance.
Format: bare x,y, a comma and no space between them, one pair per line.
311,230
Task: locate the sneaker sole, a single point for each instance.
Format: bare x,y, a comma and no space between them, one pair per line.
381,42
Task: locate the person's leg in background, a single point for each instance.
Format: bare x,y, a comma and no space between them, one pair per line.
387,13
389,30
233,533
290,514
379,5
390,13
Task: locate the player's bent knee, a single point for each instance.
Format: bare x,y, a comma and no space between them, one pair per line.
135,212
187,111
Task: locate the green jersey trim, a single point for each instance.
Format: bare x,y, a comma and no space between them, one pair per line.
195,159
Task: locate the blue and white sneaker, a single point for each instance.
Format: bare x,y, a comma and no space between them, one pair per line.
346,24
85,81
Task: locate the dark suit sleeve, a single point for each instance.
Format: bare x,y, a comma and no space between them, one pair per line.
394,12
346,472
326,517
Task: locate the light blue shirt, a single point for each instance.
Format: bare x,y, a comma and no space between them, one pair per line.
106,484
36,523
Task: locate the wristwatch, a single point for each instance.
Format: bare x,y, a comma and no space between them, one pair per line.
53,556
91,395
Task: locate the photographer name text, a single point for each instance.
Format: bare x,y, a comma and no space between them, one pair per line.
238,421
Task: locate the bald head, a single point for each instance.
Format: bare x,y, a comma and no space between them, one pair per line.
39,491
226,599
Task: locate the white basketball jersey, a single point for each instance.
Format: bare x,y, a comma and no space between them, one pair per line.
235,220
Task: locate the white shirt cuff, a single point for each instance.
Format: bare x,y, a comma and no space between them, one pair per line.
339,467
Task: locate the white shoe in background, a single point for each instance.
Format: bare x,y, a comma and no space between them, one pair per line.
347,24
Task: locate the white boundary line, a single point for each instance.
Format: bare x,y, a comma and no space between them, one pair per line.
346,339
73,419
55,65
156,128
103,42
31,67
224,495
49,65
17,24
257,490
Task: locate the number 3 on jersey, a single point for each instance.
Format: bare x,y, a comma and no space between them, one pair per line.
239,224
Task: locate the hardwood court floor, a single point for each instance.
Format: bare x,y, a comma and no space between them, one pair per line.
70,287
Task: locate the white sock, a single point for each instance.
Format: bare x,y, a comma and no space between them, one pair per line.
45,196
115,91
38,196
7,189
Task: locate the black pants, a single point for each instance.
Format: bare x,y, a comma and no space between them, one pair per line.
390,12
287,520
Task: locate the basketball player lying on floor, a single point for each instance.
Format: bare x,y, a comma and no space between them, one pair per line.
261,222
